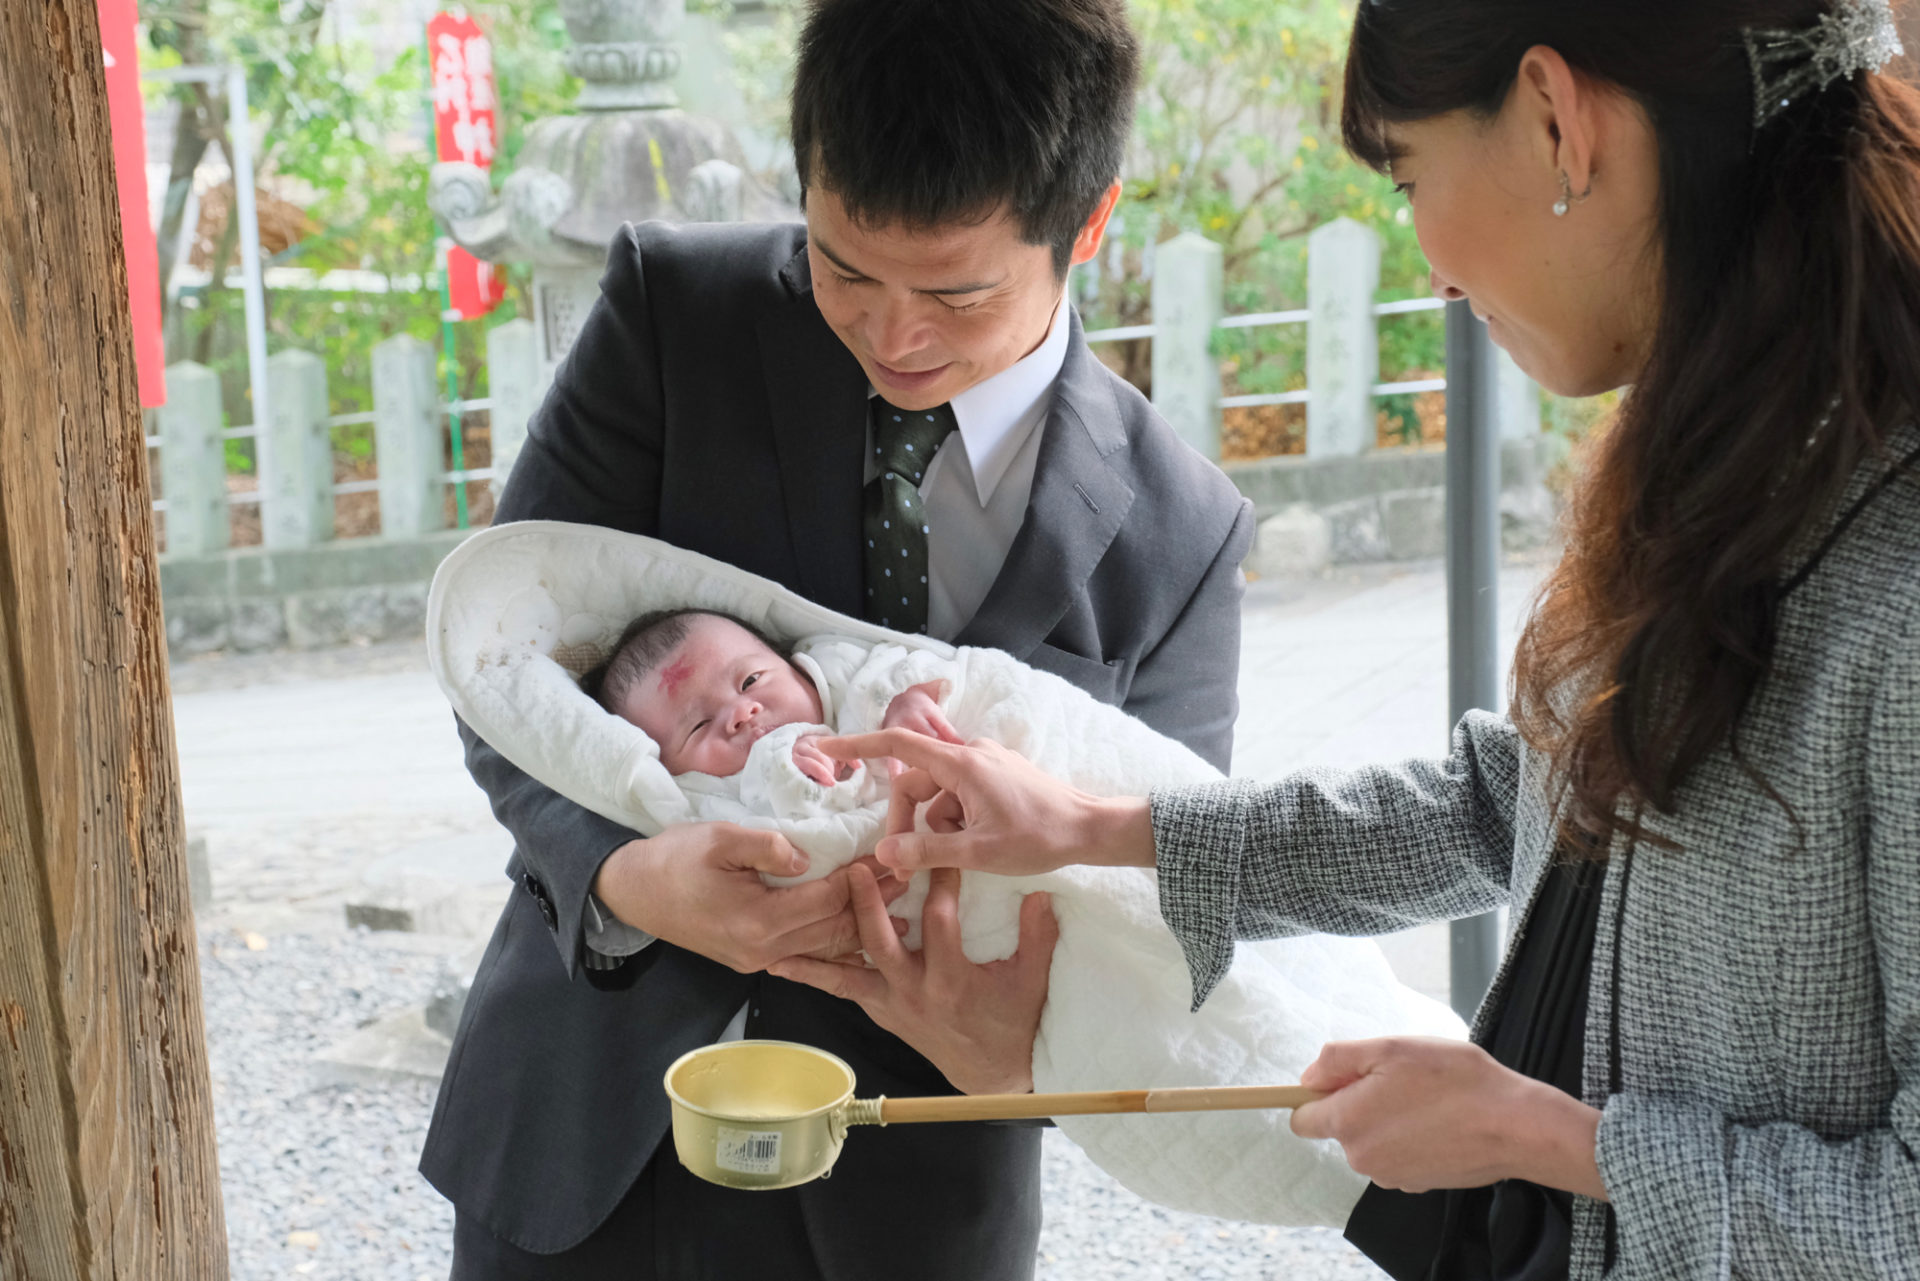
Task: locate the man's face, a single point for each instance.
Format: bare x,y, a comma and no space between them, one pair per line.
931,312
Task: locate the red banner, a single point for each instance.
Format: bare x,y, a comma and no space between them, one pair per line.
128,116
461,61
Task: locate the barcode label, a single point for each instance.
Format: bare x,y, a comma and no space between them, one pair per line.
747,1151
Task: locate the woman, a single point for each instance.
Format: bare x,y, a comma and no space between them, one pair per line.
1701,1056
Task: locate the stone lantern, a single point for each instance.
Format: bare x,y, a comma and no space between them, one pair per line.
629,153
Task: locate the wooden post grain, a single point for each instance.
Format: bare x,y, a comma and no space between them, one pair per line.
107,1166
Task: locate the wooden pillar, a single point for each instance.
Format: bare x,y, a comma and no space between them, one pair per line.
107,1166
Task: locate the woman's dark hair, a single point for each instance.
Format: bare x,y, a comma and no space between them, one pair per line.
645,643
1787,350
926,112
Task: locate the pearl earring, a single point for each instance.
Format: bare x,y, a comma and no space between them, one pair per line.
1567,199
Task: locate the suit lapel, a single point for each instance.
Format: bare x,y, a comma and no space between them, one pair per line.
1078,503
817,397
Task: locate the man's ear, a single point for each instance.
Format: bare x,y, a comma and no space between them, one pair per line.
1094,232
1562,119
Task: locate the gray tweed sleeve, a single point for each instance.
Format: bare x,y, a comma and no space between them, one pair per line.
1700,1196
1365,851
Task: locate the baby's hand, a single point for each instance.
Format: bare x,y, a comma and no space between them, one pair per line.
918,709
816,764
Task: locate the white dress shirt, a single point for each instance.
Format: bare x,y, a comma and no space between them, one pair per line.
975,497
976,489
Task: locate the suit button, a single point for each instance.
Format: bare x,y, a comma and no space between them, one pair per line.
532,886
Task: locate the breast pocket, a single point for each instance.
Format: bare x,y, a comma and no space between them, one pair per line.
1106,679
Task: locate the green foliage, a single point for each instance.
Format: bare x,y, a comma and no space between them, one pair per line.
347,135
1237,138
529,40
761,53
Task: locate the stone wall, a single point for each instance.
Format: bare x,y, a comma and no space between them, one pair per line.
1385,506
342,592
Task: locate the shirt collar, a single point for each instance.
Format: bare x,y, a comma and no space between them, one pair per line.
996,415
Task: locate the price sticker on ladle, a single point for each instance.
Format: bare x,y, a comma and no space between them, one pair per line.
747,1151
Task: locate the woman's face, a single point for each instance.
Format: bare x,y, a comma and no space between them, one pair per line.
1574,298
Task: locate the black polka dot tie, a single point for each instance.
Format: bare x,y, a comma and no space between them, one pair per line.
904,442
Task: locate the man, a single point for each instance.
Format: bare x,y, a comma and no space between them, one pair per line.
892,411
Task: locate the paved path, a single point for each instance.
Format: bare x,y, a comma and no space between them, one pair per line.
305,769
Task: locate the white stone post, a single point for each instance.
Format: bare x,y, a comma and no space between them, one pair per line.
1517,400
296,464
514,386
1187,282
406,439
1343,345
193,462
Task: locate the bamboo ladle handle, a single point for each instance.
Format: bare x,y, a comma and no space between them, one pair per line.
1014,1107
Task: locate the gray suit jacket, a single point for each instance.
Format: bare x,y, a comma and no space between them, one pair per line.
707,403
1753,1029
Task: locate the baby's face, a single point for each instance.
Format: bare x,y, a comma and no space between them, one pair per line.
715,695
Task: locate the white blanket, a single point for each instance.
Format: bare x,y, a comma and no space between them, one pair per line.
516,611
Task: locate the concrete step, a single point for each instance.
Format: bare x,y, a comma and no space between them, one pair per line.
453,886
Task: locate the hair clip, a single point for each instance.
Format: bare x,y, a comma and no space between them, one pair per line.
1855,36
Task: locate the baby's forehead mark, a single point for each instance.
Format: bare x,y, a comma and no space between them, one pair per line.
674,675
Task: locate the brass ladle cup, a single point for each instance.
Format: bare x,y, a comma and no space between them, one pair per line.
772,1114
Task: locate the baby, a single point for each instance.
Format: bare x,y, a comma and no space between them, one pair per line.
706,687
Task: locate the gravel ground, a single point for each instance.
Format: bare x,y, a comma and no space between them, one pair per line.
319,1180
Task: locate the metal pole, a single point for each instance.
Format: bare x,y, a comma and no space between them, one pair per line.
448,318
242,160
1473,567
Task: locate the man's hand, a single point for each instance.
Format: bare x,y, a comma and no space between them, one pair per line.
698,886
990,809
1417,1113
976,1023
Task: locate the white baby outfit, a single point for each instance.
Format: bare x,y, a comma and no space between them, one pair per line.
517,610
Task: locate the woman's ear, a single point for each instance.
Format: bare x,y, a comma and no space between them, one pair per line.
1560,114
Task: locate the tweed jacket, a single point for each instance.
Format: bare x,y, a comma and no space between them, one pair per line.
1753,1034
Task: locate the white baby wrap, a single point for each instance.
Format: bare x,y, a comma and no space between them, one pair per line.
517,610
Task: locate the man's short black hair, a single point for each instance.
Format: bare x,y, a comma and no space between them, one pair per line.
926,112
645,644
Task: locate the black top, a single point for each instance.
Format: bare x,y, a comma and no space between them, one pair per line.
1512,1230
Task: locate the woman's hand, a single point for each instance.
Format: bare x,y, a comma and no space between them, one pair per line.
1417,1113
990,809
975,1023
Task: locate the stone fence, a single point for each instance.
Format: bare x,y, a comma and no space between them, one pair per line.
1342,501
1343,345
293,451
